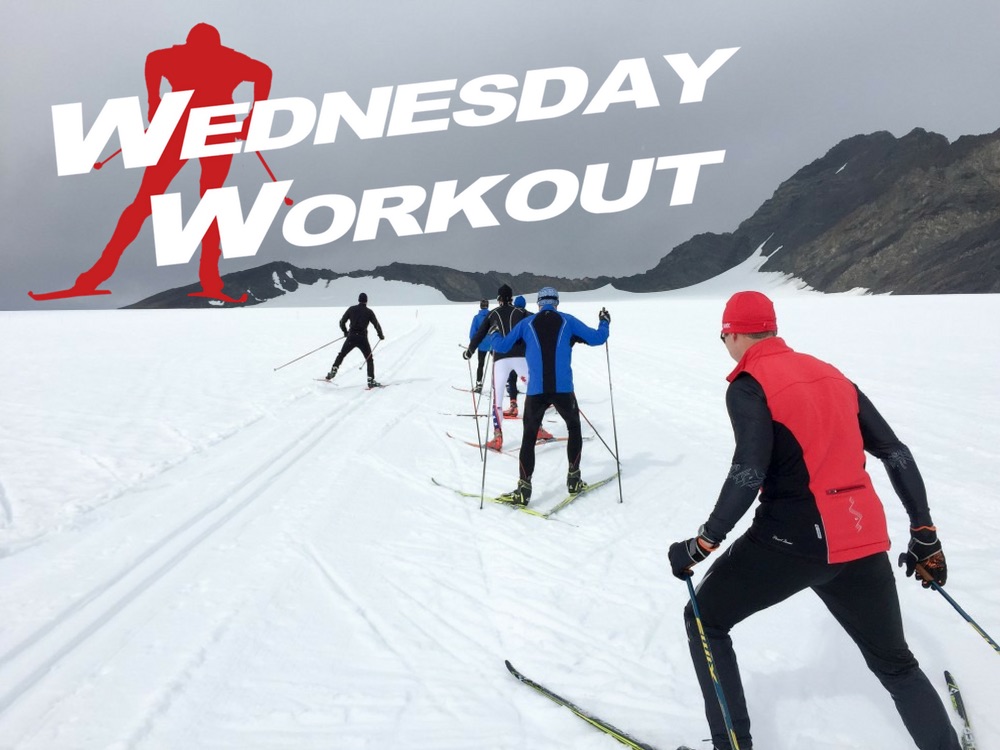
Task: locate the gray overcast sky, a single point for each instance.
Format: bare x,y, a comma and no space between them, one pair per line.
808,74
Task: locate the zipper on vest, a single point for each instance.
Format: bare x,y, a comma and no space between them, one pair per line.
841,490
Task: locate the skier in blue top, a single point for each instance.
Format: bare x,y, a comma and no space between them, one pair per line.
548,337
484,345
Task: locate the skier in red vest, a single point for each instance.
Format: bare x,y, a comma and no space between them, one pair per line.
213,72
802,430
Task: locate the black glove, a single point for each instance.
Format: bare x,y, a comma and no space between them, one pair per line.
381,337
604,315
683,555
467,354
924,550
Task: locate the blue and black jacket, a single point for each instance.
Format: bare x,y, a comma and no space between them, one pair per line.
484,345
548,338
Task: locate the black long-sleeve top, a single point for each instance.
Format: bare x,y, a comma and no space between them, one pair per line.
359,317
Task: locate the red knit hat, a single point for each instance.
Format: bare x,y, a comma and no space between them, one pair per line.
749,312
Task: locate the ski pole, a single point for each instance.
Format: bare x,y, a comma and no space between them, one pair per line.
711,668
99,164
475,408
599,436
288,201
372,352
614,424
930,579
487,363
493,385
476,401
308,353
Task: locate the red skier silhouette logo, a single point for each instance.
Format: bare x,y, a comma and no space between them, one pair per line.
213,73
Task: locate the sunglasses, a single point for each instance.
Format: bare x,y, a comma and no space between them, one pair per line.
722,337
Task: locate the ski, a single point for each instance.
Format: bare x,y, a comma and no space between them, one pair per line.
474,444
66,293
968,741
545,441
487,414
514,450
372,388
574,495
497,500
221,297
604,726
531,511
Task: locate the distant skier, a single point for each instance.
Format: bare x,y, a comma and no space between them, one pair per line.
548,337
502,319
213,72
802,430
484,345
359,316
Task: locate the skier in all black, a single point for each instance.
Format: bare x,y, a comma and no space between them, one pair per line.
359,316
502,319
549,337
802,430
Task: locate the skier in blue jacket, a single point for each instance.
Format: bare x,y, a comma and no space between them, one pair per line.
484,345
548,337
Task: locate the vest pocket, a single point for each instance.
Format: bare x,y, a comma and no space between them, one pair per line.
854,521
852,488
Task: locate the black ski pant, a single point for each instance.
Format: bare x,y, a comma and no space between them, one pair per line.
534,410
362,345
861,595
482,363
512,385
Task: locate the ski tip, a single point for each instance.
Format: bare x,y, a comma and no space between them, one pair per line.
510,667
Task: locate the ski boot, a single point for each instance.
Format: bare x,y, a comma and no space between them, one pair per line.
574,483
544,436
333,373
520,496
512,411
496,444
478,388
373,383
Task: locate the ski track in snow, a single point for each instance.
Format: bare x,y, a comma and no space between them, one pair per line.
27,662
251,559
116,592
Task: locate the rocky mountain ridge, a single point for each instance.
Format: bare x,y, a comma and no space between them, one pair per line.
909,215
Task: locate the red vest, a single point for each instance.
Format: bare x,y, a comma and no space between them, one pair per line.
819,406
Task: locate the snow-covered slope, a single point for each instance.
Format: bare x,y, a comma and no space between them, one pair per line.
201,551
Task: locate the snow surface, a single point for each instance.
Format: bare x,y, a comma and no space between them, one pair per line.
199,550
